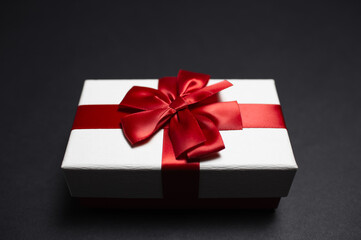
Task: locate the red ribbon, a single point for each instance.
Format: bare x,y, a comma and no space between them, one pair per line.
181,104
191,116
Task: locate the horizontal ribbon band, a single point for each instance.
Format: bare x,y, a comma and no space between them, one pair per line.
107,116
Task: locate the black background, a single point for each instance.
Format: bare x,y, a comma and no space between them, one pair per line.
311,49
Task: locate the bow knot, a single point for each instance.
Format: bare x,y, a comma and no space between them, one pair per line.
182,103
178,104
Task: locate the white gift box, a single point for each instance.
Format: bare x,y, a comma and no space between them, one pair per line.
256,162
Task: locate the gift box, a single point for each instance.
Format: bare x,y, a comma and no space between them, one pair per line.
103,167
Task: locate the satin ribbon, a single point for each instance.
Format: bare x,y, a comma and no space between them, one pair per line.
107,116
182,104
191,116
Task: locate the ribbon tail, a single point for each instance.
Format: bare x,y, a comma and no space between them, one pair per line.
206,92
185,133
225,115
214,142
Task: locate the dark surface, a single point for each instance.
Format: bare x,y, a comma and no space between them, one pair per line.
313,50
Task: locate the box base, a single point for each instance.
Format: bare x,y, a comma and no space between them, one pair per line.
224,203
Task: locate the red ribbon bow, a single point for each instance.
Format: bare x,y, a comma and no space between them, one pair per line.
185,105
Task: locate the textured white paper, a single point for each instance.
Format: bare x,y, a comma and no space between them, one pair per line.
257,162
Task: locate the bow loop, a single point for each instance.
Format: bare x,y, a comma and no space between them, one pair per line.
150,121
143,98
168,86
189,82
